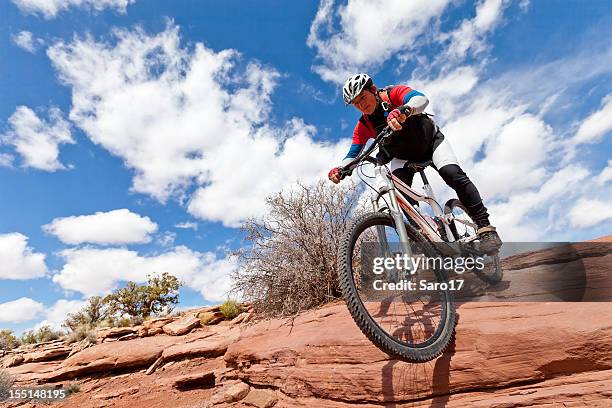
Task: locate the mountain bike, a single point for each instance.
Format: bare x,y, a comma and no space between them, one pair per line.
402,316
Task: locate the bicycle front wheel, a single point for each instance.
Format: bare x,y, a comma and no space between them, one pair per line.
402,316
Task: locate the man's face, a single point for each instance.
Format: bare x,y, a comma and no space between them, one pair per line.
365,102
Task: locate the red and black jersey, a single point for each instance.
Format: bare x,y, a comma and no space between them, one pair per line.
413,142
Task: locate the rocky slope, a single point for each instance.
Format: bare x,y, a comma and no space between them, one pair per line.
505,354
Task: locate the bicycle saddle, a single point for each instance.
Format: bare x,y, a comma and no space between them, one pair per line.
418,166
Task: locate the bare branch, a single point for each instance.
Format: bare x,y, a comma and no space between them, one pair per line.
290,265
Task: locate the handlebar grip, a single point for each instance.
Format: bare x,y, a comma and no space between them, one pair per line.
403,109
344,172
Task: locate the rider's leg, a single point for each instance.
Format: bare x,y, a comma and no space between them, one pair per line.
405,175
445,161
467,192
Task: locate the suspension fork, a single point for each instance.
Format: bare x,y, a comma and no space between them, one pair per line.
380,231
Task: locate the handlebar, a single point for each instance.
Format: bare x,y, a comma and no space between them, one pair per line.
365,155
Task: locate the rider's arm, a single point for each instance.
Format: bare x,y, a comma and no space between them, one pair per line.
361,134
352,153
406,96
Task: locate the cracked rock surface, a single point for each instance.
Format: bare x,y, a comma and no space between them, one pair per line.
505,354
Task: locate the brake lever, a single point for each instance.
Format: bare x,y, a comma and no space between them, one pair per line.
386,138
385,141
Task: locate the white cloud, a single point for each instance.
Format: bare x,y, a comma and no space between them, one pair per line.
166,239
21,310
596,125
453,84
56,314
444,91
162,109
26,41
589,212
113,227
511,155
50,8
6,160
606,174
513,164
536,84
524,217
301,158
37,140
367,33
98,271
470,36
187,225
363,34
19,261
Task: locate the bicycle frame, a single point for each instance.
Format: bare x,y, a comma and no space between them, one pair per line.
430,199
391,186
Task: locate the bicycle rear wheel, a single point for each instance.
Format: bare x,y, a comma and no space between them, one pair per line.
462,227
414,325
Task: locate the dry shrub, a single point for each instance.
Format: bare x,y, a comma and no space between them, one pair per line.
84,331
120,321
230,309
6,382
8,341
73,388
94,311
290,264
41,335
205,317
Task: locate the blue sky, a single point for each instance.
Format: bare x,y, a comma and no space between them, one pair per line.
121,119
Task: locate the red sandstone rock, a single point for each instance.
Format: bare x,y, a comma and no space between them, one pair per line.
182,326
261,398
157,323
80,346
31,372
45,355
154,366
155,331
508,354
12,360
130,336
117,394
212,347
558,254
209,318
200,379
324,354
104,357
112,332
236,392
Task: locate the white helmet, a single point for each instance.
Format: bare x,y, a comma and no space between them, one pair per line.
354,85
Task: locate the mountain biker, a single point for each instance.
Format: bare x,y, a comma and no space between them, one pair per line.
416,138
